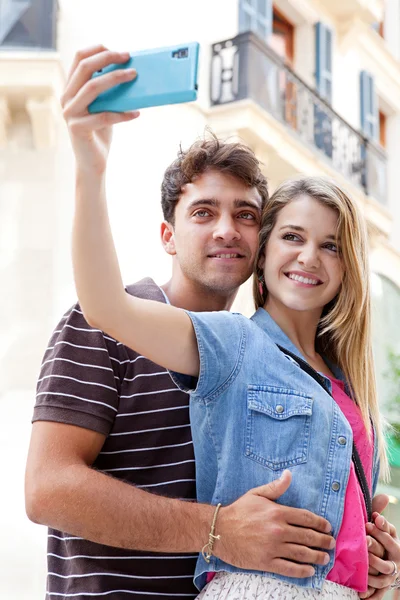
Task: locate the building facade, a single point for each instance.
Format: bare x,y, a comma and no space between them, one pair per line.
313,86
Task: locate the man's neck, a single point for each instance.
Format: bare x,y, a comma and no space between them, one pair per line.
186,294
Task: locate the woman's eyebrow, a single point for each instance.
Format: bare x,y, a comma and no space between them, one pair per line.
298,228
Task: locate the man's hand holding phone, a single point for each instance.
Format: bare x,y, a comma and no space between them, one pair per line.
91,134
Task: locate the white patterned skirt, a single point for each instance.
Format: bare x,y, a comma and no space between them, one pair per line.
242,586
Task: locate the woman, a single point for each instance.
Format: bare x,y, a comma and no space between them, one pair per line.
257,408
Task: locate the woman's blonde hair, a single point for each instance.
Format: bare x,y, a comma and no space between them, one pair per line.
344,331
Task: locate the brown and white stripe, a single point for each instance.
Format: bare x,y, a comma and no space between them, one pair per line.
90,380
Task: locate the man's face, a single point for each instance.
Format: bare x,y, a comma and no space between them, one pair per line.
215,235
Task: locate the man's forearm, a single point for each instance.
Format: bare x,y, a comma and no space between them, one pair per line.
102,509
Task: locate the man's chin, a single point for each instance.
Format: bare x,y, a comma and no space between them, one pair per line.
224,283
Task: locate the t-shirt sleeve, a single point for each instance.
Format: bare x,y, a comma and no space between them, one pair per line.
80,376
221,343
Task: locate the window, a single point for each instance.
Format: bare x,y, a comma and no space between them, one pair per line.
382,129
323,60
256,16
26,24
282,37
323,77
385,329
368,106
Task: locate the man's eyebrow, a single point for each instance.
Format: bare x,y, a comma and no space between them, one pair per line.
203,202
238,203
298,228
247,204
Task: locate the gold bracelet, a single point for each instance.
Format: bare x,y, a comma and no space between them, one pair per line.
208,548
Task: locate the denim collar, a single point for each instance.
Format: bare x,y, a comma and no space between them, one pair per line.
264,320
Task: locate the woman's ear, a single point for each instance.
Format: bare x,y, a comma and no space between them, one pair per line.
261,262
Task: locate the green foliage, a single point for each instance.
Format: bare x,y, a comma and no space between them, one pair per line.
393,405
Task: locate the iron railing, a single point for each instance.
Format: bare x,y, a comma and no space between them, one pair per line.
28,24
245,67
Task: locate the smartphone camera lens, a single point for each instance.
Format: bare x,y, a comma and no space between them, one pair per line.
181,53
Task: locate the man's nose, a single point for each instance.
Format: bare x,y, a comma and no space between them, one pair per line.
227,230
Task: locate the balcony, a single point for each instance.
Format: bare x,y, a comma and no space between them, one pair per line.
28,24
370,11
31,76
246,69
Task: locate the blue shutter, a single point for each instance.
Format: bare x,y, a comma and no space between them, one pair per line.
323,60
256,15
368,106
323,76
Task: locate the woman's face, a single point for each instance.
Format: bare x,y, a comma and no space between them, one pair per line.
303,270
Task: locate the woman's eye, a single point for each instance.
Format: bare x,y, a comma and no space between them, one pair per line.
331,247
291,237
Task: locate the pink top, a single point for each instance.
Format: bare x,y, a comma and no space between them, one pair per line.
351,556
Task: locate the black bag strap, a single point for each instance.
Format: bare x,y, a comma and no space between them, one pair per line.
362,480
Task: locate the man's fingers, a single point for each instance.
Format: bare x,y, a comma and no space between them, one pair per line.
378,594
379,502
291,569
303,554
373,594
390,544
309,538
305,518
367,594
82,54
380,581
276,488
384,525
382,566
374,547
86,67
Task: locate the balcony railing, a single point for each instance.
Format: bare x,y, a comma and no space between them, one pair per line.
28,24
246,68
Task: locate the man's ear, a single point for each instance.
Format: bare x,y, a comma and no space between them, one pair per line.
167,238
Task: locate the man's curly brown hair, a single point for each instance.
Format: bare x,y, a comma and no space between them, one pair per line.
231,158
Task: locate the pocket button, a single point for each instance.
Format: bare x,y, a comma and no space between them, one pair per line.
279,408
342,441
336,486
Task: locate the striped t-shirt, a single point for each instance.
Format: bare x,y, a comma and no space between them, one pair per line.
89,380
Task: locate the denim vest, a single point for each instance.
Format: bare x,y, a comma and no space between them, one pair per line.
254,413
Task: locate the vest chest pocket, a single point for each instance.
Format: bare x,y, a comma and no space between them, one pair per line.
278,426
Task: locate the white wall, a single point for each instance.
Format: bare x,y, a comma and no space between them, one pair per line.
36,197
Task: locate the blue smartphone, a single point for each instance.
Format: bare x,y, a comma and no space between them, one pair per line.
164,76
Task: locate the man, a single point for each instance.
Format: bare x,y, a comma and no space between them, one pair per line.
111,467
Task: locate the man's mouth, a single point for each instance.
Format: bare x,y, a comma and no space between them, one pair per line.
303,279
234,255
226,254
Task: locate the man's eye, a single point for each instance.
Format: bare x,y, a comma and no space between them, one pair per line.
202,213
247,216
